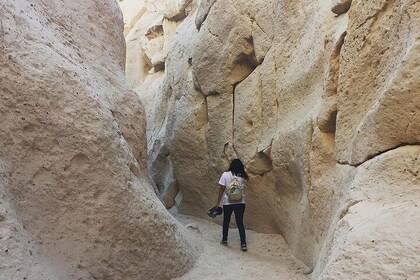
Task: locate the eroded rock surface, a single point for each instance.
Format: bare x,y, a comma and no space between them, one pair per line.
75,201
378,90
378,216
315,104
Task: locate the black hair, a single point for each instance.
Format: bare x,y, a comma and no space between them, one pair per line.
237,168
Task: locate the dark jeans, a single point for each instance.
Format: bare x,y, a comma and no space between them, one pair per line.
239,210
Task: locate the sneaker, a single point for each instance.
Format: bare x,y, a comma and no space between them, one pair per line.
243,247
223,242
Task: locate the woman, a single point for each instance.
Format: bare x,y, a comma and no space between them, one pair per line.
236,170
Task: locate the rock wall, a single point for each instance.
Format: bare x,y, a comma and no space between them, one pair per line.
320,99
75,199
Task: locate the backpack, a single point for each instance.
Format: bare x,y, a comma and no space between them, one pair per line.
234,191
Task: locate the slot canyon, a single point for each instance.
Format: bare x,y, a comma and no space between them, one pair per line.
119,117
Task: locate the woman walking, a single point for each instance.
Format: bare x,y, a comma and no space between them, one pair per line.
231,189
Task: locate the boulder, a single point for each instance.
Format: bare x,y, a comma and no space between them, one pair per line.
76,201
378,215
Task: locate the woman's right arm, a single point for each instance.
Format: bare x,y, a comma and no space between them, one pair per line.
219,197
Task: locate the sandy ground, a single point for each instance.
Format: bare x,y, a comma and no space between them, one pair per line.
268,255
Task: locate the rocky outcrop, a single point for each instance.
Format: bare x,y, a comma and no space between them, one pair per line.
377,221
318,106
75,201
378,96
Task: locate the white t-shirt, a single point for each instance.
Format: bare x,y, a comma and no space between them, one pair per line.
225,181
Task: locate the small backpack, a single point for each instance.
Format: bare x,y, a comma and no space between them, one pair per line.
234,191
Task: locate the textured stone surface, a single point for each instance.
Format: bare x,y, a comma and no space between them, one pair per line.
340,6
75,201
378,88
307,100
132,10
176,10
379,216
203,10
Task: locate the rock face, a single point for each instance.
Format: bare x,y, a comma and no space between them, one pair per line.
75,201
377,221
322,109
380,111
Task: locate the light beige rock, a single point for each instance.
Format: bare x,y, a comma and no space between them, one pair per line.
187,116
304,100
153,43
138,63
132,11
156,5
225,55
75,198
176,10
378,96
203,10
253,98
262,30
327,117
19,254
378,215
152,34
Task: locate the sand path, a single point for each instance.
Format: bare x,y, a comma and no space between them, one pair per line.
268,255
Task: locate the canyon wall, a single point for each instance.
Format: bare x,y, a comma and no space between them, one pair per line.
75,198
319,99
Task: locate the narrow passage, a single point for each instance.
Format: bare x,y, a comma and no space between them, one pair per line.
268,255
